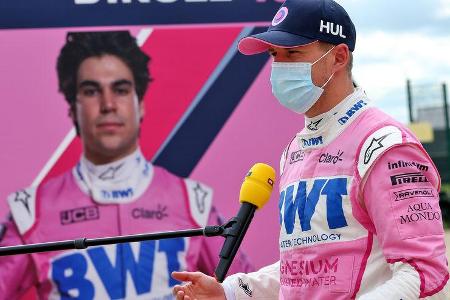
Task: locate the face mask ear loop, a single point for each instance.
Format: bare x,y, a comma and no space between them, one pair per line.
327,81
320,59
323,55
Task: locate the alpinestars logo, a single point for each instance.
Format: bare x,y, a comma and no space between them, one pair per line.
245,287
200,196
375,144
23,196
314,125
110,173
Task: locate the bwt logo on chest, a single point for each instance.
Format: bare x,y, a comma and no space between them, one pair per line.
117,269
304,203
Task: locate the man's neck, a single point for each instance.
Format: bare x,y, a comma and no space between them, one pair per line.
103,159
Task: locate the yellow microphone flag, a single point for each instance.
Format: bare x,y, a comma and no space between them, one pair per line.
258,185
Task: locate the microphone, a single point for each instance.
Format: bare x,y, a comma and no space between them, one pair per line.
255,192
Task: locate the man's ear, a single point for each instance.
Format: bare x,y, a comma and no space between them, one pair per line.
141,110
73,115
342,55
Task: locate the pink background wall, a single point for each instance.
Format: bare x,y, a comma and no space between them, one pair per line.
34,121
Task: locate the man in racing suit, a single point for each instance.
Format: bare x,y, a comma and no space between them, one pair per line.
112,191
359,205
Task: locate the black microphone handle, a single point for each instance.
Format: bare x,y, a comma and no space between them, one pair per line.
234,236
84,243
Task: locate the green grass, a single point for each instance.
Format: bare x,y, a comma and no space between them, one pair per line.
446,188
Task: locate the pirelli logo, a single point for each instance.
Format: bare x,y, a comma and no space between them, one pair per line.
408,178
413,193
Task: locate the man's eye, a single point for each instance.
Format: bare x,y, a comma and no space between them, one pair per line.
89,92
122,91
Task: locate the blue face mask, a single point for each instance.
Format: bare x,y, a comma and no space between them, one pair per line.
293,87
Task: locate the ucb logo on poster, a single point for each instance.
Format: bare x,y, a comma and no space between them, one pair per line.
305,198
123,271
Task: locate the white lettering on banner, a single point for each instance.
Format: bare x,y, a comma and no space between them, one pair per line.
86,1
334,29
144,1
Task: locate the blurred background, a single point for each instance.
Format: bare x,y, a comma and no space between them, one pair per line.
210,111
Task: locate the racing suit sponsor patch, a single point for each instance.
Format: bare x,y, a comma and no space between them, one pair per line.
144,213
245,287
408,178
406,164
374,146
328,272
300,200
110,173
412,193
351,112
327,158
22,205
123,271
77,215
200,200
296,156
314,126
311,142
310,240
416,212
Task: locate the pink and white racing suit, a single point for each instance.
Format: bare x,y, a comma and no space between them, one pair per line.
129,196
359,214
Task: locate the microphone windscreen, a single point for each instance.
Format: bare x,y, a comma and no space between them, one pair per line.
258,185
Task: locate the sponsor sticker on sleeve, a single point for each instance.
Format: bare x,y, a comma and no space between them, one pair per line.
416,211
200,200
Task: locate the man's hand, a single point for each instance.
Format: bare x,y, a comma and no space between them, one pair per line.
199,287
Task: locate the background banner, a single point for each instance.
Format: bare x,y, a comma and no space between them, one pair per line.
210,113
57,13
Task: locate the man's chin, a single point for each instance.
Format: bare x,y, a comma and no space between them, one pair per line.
113,148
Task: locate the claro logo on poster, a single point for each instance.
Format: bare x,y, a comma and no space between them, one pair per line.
162,1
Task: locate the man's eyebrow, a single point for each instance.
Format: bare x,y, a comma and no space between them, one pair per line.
89,83
122,82
296,50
